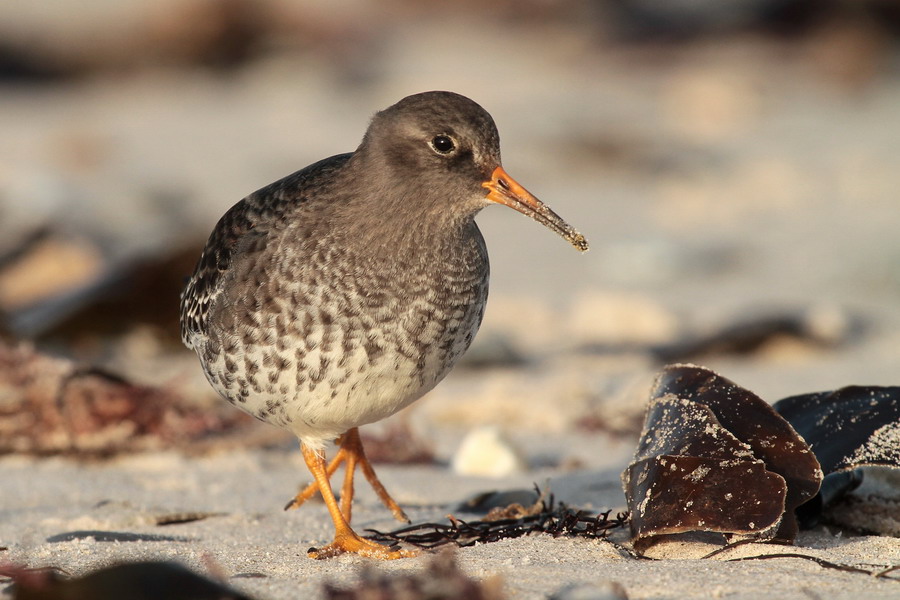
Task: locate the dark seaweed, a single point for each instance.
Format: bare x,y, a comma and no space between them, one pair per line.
556,520
713,456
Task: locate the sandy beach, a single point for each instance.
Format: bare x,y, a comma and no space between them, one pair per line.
732,179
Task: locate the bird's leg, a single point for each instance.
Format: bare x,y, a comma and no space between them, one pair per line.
351,444
351,454
345,539
310,490
349,470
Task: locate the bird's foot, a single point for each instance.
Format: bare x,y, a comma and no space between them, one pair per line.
354,544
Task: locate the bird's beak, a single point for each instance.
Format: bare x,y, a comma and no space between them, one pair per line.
503,189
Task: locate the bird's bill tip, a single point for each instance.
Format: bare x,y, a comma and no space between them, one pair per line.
505,190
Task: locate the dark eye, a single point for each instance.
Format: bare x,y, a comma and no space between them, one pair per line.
442,144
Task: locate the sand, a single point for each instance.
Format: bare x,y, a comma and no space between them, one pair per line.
716,181
247,533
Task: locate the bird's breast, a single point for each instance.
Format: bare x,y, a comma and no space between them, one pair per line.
329,341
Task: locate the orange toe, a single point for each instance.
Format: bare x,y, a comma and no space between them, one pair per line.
354,544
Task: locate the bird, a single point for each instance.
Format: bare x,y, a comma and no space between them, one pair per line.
344,292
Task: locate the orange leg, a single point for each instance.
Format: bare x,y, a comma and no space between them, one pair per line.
351,452
345,539
310,490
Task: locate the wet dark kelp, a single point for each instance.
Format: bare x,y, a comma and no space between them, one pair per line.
715,457
848,428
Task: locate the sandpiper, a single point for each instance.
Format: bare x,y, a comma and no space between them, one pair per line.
344,292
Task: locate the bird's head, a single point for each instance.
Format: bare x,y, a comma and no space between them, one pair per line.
443,151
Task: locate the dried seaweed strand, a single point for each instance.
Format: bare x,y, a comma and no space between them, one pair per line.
888,571
10,572
729,546
821,562
557,521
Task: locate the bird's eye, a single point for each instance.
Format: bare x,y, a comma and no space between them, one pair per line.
443,144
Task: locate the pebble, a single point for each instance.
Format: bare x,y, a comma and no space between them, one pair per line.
486,452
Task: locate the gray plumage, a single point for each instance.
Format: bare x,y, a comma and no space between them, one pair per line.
342,293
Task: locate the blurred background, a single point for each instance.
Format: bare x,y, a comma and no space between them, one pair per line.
735,166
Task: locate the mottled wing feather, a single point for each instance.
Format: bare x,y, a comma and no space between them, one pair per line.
252,217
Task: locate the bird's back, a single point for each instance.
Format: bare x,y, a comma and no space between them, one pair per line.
245,229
